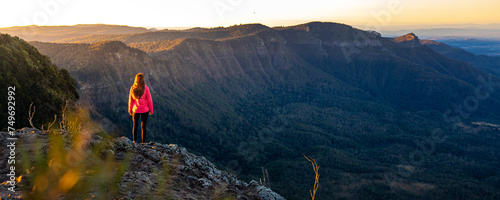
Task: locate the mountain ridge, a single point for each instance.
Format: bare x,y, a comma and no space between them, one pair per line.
486,63
53,33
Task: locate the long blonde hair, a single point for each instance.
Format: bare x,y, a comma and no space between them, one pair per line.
139,86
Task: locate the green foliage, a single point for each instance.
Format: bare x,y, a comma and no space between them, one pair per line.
35,79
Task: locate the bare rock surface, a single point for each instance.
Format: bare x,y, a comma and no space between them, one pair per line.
188,176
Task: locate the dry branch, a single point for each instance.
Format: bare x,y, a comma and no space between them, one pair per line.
316,179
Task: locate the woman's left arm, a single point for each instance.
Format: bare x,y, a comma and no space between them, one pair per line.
150,102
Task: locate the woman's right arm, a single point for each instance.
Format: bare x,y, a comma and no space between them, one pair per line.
150,102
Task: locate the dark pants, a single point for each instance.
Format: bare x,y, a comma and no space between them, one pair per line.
135,118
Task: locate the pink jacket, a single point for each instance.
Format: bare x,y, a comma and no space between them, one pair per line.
141,105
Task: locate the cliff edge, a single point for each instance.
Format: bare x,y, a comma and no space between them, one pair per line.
190,176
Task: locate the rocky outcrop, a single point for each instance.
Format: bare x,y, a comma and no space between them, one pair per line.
408,40
190,176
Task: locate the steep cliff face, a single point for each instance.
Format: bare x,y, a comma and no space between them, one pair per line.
189,177
397,70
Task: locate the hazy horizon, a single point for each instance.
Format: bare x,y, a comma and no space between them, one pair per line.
385,28
380,15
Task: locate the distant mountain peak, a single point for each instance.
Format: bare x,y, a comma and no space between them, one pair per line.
411,34
246,29
407,37
108,45
318,26
253,25
408,40
331,32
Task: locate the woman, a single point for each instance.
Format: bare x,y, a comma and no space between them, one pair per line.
139,105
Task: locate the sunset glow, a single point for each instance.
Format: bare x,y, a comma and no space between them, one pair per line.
168,13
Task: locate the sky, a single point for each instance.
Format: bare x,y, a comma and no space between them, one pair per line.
372,14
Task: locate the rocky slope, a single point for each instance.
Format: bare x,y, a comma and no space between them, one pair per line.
190,177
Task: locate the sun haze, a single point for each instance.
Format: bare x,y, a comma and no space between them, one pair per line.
210,13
